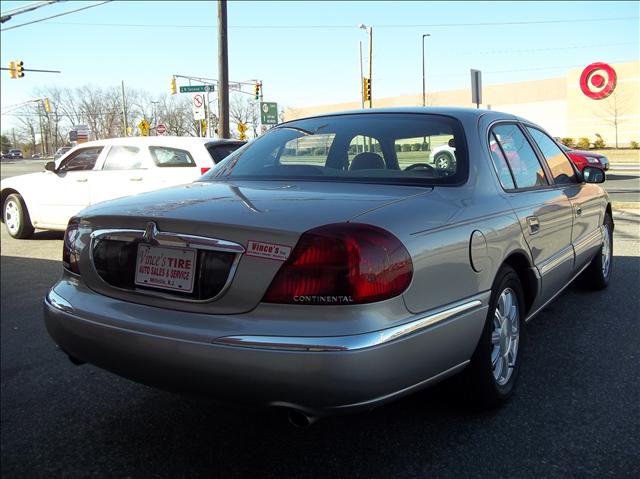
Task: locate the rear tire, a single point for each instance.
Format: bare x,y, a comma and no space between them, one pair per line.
16,217
494,366
597,275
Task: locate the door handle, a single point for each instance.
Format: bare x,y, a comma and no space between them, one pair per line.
81,180
578,211
136,178
534,224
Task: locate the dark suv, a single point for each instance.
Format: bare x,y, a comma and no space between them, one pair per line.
14,154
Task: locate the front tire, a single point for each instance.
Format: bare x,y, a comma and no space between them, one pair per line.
16,217
494,366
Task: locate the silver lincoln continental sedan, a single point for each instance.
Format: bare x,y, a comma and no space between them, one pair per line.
331,266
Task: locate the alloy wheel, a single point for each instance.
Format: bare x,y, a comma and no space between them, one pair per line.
505,336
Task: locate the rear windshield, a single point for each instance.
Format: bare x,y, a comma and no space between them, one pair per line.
397,148
221,151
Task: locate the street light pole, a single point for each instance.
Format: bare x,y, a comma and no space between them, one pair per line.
371,65
361,77
424,89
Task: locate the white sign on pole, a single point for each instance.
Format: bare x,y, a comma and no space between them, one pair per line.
198,106
476,87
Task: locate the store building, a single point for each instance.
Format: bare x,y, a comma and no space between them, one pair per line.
557,104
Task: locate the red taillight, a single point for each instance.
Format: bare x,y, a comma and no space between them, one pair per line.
345,263
70,253
204,169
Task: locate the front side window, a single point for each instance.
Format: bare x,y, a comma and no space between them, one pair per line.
122,157
375,148
519,154
81,160
559,164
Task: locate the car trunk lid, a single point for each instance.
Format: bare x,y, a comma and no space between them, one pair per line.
259,222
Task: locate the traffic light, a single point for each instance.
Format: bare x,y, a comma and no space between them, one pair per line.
174,87
12,70
19,68
256,90
366,89
47,105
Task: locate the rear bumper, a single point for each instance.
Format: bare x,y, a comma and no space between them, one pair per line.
359,375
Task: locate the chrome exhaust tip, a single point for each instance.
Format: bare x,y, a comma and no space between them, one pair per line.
300,419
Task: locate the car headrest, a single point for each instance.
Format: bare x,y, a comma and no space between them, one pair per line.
367,161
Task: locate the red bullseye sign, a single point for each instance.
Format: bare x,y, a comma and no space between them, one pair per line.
598,81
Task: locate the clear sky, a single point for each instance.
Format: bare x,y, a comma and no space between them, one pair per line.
306,53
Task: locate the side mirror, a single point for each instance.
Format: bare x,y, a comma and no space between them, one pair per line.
591,174
50,166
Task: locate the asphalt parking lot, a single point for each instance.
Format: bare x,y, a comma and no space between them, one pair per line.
575,414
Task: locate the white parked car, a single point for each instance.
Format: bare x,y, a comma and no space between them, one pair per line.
102,170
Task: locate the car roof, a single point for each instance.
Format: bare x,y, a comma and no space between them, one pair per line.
176,141
457,112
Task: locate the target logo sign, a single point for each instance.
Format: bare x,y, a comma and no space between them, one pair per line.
598,81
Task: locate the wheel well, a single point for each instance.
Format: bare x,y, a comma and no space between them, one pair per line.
3,197
610,213
520,264
445,153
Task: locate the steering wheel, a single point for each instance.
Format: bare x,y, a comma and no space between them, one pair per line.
421,166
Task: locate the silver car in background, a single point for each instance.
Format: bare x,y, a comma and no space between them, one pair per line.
332,266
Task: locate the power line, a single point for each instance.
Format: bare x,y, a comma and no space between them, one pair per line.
9,14
54,16
304,27
575,47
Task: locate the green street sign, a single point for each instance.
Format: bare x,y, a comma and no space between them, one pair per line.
196,88
268,113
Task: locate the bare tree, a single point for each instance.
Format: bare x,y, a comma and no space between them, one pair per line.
614,109
244,110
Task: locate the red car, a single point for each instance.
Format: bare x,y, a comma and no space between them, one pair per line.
582,158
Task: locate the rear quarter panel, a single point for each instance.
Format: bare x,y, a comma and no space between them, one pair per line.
437,228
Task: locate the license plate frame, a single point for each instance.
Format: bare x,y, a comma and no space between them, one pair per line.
166,268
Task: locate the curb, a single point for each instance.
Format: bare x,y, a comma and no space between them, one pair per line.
625,205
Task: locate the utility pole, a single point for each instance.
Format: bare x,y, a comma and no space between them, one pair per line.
223,72
124,113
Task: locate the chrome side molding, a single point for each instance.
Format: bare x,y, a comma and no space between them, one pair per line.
348,343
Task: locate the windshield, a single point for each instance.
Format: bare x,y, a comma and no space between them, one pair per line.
375,147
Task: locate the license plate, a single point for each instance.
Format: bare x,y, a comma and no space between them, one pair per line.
165,268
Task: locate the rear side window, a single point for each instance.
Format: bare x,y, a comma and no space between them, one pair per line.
500,162
164,156
122,157
559,165
526,169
